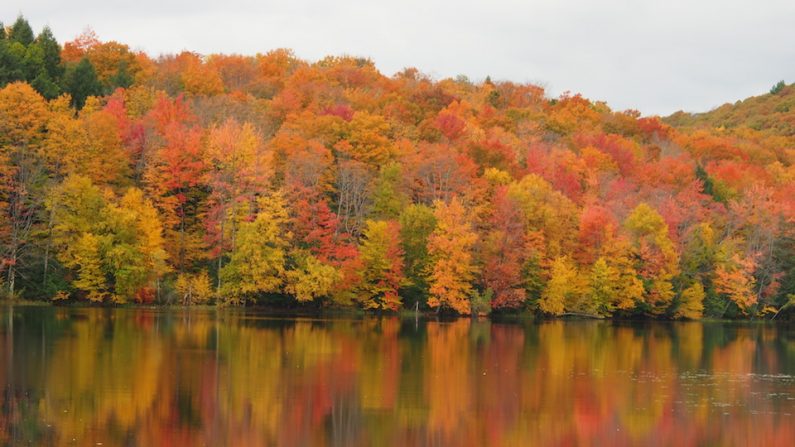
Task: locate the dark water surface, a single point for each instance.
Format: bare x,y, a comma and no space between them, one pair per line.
170,377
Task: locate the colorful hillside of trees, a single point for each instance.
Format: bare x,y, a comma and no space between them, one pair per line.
268,179
772,113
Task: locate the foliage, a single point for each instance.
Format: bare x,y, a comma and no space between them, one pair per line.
691,302
452,267
239,179
381,266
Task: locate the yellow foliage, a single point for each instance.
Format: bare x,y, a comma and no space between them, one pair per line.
450,248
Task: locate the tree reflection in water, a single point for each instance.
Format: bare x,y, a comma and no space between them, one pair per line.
157,377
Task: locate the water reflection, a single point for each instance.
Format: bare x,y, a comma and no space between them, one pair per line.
154,377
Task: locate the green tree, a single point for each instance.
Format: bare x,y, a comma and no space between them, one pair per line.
51,53
45,85
115,247
21,32
778,87
12,55
122,79
81,81
388,197
417,222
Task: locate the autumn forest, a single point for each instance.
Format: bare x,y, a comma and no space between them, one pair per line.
269,180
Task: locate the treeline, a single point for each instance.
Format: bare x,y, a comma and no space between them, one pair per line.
268,179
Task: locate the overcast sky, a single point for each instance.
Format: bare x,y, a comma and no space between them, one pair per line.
656,56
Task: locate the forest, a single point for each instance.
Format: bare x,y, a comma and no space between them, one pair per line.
269,180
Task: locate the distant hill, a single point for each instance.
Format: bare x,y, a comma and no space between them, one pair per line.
771,113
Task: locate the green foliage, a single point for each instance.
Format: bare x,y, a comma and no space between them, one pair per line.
481,302
45,85
81,82
417,222
21,32
708,185
51,53
388,198
12,55
122,79
776,89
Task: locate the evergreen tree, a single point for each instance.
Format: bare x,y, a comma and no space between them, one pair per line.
81,82
51,53
122,78
45,85
21,32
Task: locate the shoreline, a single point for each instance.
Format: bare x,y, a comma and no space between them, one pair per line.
356,313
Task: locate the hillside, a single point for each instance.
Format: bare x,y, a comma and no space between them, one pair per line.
272,180
772,113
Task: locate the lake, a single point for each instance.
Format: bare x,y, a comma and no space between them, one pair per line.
147,377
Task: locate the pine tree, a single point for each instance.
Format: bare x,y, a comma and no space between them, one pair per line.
51,53
81,82
21,32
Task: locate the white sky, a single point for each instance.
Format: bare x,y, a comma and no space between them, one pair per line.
656,56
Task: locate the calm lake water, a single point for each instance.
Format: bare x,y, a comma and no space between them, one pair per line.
170,377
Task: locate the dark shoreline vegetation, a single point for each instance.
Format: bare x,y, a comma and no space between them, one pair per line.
274,182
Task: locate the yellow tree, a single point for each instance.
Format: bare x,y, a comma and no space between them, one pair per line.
102,156
452,267
135,256
657,258
368,139
257,261
309,278
382,265
563,291
87,260
691,302
236,172
734,276
23,117
65,138
76,207
547,210
603,281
